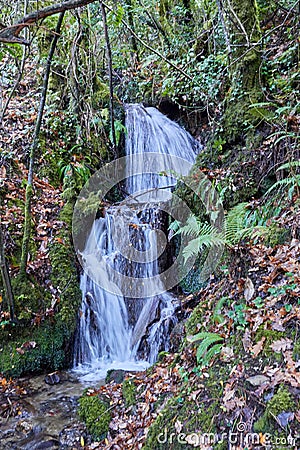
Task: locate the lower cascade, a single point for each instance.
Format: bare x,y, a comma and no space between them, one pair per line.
127,311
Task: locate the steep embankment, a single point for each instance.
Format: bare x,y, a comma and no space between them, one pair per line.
239,381
46,301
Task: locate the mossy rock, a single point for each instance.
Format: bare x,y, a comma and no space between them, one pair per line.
281,402
52,336
95,413
115,375
29,296
33,349
129,392
195,320
270,336
196,422
64,274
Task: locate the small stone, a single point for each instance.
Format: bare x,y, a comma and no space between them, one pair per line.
53,378
115,375
258,380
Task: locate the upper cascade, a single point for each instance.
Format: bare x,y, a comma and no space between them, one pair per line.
150,131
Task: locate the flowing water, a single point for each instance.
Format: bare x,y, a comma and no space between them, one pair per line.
127,312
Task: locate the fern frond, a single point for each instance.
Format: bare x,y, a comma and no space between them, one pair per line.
235,228
209,346
295,180
203,335
288,165
193,227
210,239
205,359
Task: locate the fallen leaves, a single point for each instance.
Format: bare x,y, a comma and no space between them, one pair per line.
128,427
257,348
248,289
281,345
11,394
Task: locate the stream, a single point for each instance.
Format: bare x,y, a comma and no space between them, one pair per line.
48,418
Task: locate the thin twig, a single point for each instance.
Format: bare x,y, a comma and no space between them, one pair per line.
186,75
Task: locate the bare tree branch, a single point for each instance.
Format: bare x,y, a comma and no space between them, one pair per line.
11,34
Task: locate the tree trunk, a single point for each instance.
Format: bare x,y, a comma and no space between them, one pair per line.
11,34
6,278
29,187
242,23
111,88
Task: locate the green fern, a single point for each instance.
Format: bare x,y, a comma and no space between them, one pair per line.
238,225
210,345
217,316
291,182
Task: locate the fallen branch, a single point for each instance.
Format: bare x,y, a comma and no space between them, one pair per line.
11,34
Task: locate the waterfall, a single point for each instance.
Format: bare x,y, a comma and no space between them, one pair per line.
127,312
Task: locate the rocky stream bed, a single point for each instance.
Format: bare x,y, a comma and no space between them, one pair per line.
40,413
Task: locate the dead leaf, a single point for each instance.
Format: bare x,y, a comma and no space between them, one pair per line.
227,353
277,326
20,351
246,340
248,289
257,348
281,345
257,380
228,395
178,426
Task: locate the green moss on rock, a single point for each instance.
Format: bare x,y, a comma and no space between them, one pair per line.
27,349
64,274
95,413
129,392
281,402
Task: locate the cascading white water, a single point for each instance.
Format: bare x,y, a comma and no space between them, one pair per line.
128,330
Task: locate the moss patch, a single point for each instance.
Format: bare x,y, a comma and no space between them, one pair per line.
281,402
129,392
33,349
95,413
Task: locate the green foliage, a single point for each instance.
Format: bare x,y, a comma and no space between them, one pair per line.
208,346
239,224
119,129
289,184
217,316
79,171
237,314
95,413
206,236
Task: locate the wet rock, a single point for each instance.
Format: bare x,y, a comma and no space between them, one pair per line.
50,444
177,337
115,375
54,378
72,435
47,442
